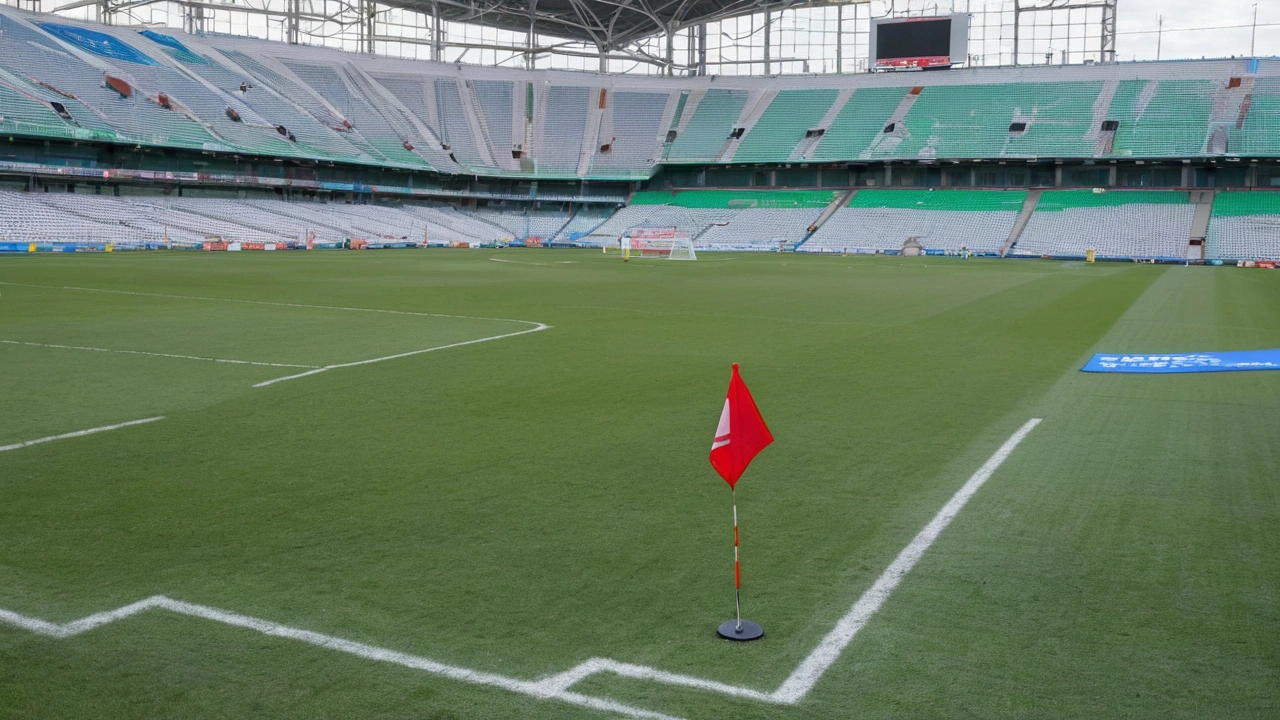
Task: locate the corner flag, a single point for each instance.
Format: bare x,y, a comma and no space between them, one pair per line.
740,435
741,432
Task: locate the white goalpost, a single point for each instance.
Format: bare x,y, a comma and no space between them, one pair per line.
662,243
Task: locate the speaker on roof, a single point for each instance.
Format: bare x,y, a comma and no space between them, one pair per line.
671,136
1017,127
889,128
736,133
1110,125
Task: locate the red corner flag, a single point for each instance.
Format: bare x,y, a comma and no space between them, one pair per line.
741,432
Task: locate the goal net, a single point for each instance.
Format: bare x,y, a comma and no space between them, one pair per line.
665,243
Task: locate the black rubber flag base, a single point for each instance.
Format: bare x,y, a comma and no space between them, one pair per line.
730,630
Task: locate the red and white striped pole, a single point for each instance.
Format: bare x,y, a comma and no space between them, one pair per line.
737,566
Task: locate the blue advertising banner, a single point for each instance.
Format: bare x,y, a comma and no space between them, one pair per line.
1185,362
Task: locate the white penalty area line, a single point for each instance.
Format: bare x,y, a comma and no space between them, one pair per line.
266,302
540,326
78,433
311,369
557,687
154,354
526,262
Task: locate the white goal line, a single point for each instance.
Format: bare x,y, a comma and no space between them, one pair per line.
792,690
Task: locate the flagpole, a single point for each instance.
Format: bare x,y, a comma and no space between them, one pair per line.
737,567
738,629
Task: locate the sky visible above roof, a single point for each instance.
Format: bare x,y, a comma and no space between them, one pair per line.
1194,29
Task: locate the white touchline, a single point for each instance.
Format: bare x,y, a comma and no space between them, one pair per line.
265,383
78,433
556,687
803,678
154,354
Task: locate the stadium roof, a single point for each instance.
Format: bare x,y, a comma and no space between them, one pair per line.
608,24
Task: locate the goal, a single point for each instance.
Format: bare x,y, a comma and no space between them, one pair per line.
665,243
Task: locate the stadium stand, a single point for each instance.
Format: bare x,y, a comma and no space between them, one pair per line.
412,114
1245,226
860,122
722,219
282,111
783,124
1116,223
151,220
632,136
940,220
707,130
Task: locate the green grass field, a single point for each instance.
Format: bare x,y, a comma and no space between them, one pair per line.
519,505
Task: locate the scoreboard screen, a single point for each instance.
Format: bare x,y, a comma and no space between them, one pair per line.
919,42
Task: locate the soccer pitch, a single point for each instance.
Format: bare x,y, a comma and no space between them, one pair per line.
478,470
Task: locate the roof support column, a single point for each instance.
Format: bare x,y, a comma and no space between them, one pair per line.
291,21
437,32
365,10
531,38
768,41
1109,32
702,49
671,49
840,39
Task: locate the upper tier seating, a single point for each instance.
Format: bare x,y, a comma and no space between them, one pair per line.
783,124
261,99
633,142
708,130
859,123
1162,118
1116,223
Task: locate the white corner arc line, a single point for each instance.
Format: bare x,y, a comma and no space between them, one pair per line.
79,433
792,690
539,327
154,354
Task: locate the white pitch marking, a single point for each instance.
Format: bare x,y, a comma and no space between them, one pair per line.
268,302
154,354
537,326
525,262
78,433
540,326
370,652
792,690
803,678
